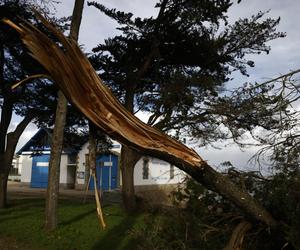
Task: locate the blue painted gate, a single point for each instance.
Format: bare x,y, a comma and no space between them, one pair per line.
39,173
106,172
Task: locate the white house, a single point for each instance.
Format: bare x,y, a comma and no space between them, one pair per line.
149,174
34,161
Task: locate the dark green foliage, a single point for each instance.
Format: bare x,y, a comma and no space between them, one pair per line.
269,111
173,62
36,97
204,220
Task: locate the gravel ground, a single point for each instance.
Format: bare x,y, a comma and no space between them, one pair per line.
18,191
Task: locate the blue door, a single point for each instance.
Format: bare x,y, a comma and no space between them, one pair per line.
106,172
39,174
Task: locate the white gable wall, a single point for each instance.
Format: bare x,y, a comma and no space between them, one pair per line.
159,173
26,162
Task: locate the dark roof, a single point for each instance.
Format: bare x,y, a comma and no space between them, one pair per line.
35,142
41,141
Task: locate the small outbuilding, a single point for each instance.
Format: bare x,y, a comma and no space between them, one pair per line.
34,159
151,176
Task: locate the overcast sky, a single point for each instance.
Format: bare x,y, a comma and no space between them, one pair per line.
283,58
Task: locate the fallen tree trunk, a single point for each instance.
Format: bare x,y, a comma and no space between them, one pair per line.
75,76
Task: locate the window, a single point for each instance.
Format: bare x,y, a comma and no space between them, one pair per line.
172,171
145,168
13,171
105,163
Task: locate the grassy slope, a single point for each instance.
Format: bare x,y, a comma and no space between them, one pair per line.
78,228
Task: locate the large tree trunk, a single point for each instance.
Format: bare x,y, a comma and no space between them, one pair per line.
5,161
54,163
6,115
58,134
6,157
3,188
129,158
219,183
128,161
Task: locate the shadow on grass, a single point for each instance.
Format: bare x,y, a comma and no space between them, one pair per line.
21,206
20,203
78,217
22,215
111,239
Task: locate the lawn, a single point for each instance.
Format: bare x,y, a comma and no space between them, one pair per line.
21,227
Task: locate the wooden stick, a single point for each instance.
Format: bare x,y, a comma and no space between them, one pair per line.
87,188
99,209
29,78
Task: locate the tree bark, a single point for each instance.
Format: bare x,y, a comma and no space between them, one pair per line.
219,183
51,219
6,157
6,115
54,163
129,158
92,147
3,187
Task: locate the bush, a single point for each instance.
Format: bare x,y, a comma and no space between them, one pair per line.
202,219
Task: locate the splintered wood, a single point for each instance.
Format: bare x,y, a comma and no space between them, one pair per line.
75,76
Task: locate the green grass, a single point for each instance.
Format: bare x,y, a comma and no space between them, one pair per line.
78,226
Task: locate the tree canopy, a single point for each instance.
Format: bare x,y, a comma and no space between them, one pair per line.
173,62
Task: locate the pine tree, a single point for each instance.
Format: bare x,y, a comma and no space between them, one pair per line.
32,101
170,64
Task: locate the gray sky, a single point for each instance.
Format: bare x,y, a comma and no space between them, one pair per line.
283,57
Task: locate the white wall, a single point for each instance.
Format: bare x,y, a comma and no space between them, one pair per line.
26,170
26,162
81,164
81,159
63,169
116,146
159,173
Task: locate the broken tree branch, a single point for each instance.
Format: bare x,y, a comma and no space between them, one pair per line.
75,76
